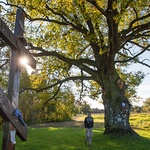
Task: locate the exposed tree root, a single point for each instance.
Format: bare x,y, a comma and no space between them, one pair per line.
119,131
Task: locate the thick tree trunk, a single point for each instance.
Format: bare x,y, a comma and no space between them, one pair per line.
117,109
117,117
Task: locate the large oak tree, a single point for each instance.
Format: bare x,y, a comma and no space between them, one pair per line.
96,37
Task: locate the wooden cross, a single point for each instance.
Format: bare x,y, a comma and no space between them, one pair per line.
9,104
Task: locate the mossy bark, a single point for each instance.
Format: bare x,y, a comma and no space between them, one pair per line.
117,107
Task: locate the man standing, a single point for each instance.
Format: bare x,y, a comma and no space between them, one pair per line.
89,123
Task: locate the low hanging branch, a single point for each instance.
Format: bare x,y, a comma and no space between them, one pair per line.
51,98
79,63
6,61
59,83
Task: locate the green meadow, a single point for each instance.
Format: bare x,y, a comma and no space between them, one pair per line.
70,136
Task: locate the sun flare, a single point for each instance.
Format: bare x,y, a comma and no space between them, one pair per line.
24,61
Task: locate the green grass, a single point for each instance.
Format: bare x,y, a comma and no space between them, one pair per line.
72,137
140,120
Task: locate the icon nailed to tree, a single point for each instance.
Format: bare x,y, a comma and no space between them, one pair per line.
120,83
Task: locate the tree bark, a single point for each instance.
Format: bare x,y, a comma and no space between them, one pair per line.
117,107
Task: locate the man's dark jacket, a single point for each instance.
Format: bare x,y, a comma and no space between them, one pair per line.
88,124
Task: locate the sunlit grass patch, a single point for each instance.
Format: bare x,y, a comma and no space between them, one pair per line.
141,120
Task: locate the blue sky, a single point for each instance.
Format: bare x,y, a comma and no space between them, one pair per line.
144,89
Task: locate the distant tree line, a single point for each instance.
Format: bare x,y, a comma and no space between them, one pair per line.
35,111
144,108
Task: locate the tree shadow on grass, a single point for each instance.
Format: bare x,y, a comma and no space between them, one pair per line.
124,142
71,137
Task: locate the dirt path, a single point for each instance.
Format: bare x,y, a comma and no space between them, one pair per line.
78,124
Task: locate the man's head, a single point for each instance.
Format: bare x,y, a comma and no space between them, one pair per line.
89,114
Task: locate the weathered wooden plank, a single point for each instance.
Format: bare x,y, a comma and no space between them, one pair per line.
7,111
15,43
7,35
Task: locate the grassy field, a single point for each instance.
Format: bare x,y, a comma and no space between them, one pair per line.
70,136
